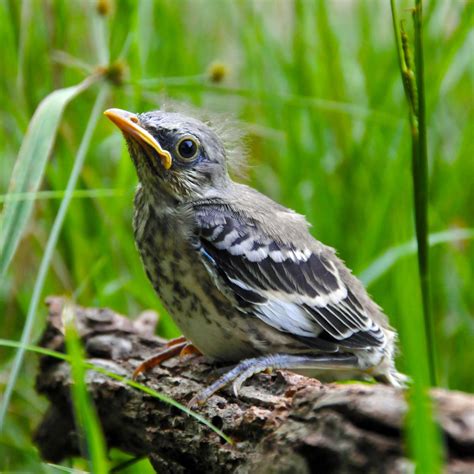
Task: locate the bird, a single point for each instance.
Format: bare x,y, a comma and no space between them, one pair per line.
241,275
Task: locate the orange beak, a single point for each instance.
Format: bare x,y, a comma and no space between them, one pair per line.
129,125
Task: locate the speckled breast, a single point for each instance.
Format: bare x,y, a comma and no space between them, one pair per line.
203,314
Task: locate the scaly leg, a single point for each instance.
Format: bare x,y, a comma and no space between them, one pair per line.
172,348
245,369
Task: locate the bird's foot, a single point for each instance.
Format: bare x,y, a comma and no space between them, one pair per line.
174,347
245,369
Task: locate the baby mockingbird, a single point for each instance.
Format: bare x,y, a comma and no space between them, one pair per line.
240,274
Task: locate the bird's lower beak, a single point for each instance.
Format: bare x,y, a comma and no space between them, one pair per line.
129,125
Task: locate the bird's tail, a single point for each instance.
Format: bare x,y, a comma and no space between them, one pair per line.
386,372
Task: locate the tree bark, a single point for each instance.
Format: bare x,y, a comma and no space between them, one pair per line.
281,422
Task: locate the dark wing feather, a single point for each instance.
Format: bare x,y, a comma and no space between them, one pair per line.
295,290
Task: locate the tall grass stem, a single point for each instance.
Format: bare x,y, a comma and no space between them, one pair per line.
420,185
422,434
413,84
88,428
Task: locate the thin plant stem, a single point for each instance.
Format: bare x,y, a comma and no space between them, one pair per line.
413,85
420,184
91,438
422,434
59,194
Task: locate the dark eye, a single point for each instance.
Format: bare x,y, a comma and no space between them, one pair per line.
187,148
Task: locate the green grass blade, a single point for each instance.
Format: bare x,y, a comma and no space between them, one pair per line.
56,467
36,349
100,35
165,399
30,165
91,438
49,250
59,194
126,381
383,263
126,464
25,20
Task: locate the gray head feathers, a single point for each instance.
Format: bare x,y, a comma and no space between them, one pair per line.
230,132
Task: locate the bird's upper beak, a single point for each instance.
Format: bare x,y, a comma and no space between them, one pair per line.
130,126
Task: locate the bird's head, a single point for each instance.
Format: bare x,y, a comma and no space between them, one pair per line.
174,155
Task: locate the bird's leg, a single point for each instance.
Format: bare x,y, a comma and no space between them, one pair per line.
245,369
167,353
176,340
178,346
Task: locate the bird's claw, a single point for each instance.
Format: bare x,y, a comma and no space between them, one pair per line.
236,386
198,400
202,396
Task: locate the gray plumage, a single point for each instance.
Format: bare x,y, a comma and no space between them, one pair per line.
240,274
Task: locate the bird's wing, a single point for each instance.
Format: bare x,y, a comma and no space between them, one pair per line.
295,290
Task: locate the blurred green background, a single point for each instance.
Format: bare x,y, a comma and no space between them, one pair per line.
316,87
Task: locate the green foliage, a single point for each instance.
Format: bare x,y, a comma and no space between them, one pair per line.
29,168
315,84
49,250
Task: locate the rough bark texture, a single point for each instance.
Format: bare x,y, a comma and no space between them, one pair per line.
281,423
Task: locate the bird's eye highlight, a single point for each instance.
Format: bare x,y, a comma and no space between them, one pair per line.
187,148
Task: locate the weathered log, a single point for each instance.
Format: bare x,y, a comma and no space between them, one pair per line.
281,422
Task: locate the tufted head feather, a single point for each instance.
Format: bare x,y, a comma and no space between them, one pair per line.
231,132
